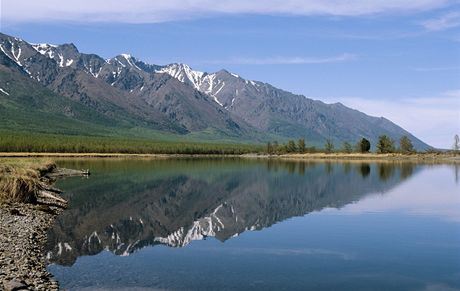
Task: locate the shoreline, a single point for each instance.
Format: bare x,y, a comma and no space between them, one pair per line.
429,158
23,235
449,158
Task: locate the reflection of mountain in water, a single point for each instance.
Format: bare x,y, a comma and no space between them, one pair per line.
127,205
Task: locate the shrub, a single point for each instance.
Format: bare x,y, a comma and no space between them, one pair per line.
364,145
346,147
329,146
405,145
385,145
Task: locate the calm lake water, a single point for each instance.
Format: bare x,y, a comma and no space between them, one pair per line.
257,225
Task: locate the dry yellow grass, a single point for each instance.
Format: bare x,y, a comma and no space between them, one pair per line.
441,158
20,179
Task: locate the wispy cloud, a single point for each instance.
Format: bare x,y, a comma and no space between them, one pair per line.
435,119
435,69
446,21
147,11
280,60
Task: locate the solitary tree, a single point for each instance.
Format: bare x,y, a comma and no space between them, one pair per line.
269,148
275,146
405,145
456,145
291,147
346,147
385,144
329,146
364,145
301,145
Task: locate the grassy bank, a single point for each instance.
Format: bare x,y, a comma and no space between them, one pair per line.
345,157
371,157
20,179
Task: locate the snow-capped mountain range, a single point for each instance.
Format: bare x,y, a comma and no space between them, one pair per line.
208,83
177,99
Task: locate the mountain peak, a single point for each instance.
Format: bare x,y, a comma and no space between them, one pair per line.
125,60
69,46
45,48
38,46
184,73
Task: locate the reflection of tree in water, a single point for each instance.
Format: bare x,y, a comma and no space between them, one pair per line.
456,173
406,170
290,167
301,169
329,167
364,169
386,171
346,167
272,166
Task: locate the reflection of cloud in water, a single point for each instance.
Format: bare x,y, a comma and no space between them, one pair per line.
439,287
417,196
282,251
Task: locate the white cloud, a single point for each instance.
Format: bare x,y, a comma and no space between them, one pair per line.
435,69
146,11
284,60
449,20
434,120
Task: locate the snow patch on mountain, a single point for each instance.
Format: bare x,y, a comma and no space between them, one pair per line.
12,54
211,84
16,55
206,83
52,52
4,92
130,60
42,46
184,73
45,49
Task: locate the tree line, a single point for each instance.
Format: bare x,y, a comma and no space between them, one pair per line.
385,144
18,142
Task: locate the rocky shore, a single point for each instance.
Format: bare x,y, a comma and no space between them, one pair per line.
22,238
23,234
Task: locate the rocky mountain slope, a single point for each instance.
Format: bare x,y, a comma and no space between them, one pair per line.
118,88
177,100
282,113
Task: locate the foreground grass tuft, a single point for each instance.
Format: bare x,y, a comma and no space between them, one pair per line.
20,180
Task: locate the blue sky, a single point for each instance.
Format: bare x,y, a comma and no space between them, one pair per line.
398,59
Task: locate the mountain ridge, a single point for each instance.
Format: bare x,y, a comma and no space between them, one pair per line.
176,99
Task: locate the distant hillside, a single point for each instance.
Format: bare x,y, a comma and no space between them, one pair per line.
57,89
